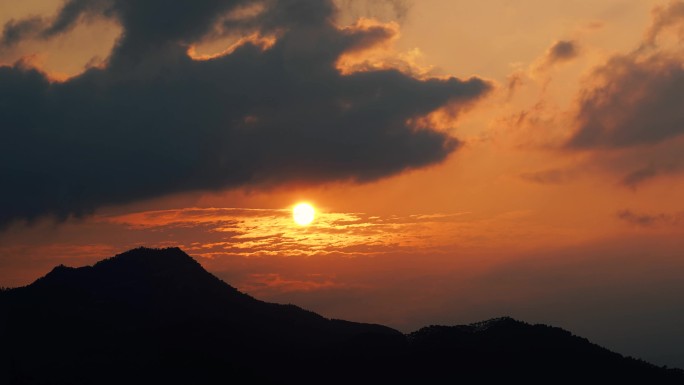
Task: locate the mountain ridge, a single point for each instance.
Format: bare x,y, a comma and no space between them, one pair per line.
160,316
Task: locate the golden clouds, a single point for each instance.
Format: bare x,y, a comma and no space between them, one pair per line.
264,232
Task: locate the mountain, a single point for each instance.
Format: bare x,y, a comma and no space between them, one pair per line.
155,316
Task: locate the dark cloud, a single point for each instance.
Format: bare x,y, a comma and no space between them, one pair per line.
637,177
70,14
650,220
562,50
636,98
638,219
15,31
631,110
153,121
637,101
669,161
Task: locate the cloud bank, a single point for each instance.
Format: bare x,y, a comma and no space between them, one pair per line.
630,110
635,99
638,101
153,120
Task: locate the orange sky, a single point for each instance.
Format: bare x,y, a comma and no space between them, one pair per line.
515,222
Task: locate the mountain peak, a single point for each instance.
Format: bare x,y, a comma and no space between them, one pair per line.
139,261
143,274
495,322
60,273
153,257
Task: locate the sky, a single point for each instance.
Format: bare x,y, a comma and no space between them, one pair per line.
467,160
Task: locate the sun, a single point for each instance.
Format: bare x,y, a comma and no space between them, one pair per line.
303,214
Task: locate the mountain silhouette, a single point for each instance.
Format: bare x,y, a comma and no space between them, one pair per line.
155,316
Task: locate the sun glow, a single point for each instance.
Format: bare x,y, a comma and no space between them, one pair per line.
303,214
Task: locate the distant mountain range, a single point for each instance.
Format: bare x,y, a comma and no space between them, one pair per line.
155,316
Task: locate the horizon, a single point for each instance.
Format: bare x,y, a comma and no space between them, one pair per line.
60,268
461,161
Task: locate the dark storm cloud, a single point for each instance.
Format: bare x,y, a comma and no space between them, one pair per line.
154,121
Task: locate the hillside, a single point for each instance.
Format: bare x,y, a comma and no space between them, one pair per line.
156,316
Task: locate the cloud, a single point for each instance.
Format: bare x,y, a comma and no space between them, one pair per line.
15,31
34,27
637,166
636,177
661,161
638,101
394,9
651,220
213,232
154,121
664,17
629,115
550,177
635,99
560,51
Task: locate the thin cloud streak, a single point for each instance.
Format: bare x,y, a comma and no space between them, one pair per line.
651,220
